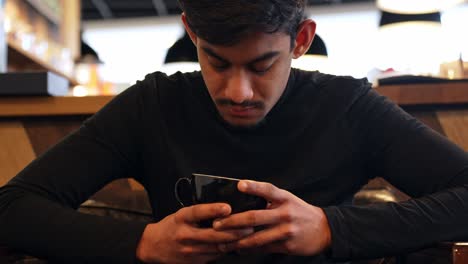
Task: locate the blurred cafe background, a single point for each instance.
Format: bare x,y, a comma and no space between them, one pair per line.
102,46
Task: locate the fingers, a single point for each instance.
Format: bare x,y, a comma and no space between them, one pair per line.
275,247
273,240
197,249
248,219
263,189
208,235
198,253
200,212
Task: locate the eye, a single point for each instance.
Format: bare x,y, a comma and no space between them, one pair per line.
220,67
260,70
217,64
263,66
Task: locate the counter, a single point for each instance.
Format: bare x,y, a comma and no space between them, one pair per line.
404,95
51,106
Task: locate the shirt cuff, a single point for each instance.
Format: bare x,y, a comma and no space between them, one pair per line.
340,248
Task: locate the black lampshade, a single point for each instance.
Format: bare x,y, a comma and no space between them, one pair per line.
183,50
387,18
317,47
88,54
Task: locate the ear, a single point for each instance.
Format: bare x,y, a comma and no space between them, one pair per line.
305,36
192,35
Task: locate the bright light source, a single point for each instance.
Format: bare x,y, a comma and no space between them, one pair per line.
411,47
173,67
80,91
7,25
313,63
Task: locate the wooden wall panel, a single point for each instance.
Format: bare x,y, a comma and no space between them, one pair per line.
45,133
15,150
455,126
24,139
430,119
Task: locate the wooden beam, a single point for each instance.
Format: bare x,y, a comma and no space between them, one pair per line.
3,42
23,60
70,31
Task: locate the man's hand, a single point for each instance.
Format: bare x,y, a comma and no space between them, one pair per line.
291,226
178,239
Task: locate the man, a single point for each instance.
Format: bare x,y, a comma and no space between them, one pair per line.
307,142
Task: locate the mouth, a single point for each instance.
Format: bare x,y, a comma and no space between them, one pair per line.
242,111
240,114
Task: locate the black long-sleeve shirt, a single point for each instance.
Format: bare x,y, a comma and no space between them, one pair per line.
323,140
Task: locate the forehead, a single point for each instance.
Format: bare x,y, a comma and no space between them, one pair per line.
251,46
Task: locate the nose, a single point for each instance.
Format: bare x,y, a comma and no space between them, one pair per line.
239,87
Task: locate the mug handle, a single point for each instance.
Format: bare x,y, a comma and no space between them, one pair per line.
176,189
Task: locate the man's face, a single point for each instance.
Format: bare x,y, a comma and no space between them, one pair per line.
245,80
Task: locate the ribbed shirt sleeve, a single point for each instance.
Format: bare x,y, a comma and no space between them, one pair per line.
419,161
37,207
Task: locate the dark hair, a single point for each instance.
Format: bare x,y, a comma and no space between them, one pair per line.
225,22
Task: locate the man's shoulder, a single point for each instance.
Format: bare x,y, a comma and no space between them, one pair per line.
324,86
165,87
160,80
329,81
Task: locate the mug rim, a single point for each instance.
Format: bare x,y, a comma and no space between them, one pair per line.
215,176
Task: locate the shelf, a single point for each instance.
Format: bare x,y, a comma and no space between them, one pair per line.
45,11
20,56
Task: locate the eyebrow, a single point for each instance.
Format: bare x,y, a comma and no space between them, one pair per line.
263,57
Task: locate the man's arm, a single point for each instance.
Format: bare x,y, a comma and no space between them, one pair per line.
415,159
393,145
37,207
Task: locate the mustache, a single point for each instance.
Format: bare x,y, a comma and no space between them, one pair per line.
227,102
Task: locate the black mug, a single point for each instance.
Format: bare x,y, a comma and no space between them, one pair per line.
213,189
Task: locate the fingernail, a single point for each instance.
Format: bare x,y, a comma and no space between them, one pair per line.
216,224
248,231
224,209
243,185
243,233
